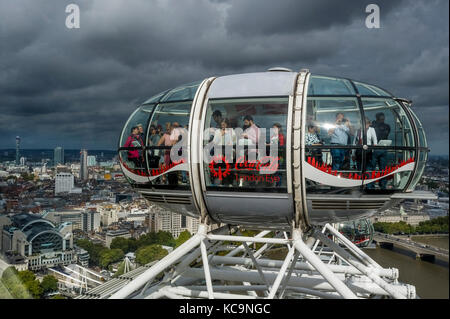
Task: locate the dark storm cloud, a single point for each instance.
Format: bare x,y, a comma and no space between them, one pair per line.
76,88
289,16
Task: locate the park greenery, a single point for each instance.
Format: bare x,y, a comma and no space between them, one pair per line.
437,225
104,257
184,235
147,254
24,284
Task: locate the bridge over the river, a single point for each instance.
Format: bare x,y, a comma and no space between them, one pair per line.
426,252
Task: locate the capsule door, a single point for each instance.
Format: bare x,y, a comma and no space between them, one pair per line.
244,161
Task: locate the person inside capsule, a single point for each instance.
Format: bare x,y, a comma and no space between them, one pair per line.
178,134
217,117
278,138
380,157
312,138
134,141
339,136
225,136
371,140
153,140
250,132
165,141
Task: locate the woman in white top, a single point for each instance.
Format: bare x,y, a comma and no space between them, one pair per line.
371,135
371,140
225,135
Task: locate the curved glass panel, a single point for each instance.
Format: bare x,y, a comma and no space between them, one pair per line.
46,242
420,131
335,120
390,169
245,145
388,126
166,145
322,85
133,139
155,98
360,231
421,163
389,121
370,90
331,145
185,92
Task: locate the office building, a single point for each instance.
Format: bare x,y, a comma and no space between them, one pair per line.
64,183
91,160
37,240
82,257
172,223
58,156
69,216
90,220
85,220
17,149
84,174
110,235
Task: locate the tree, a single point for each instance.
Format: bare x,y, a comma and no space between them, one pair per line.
34,288
184,235
150,253
49,283
165,238
30,282
132,244
58,297
147,239
110,256
94,250
26,275
120,243
120,270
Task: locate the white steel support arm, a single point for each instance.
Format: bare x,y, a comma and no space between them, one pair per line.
164,263
340,287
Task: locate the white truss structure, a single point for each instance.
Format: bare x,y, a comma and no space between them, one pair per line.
320,264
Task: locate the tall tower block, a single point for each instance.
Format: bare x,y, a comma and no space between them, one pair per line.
83,165
17,150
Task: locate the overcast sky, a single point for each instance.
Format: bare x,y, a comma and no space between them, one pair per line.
76,87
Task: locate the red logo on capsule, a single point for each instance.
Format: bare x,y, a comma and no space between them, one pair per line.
218,170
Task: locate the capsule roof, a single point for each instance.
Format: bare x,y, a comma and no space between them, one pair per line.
271,83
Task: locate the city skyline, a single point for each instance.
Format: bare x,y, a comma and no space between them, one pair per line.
77,87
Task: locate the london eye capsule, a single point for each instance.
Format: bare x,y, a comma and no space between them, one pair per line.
359,231
274,149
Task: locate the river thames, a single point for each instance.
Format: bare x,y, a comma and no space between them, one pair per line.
430,279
